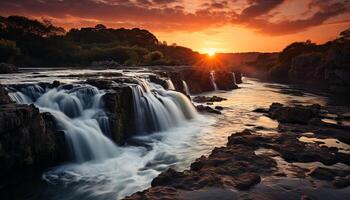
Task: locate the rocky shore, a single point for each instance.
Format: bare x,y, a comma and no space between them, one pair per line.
28,141
251,157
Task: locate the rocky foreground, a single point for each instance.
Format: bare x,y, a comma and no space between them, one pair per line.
241,169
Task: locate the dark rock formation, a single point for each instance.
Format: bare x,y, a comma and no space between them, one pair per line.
208,109
158,80
298,114
198,81
27,141
234,166
238,77
4,98
204,99
225,80
118,103
6,68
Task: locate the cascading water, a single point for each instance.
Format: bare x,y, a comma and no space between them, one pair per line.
78,112
212,78
170,84
234,78
157,109
186,89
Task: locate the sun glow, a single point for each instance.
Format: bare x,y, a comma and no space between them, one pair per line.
211,52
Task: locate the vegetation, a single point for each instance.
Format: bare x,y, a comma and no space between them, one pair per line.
27,42
325,65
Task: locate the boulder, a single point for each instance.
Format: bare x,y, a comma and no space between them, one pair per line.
28,141
208,109
297,114
158,80
203,99
225,80
4,98
238,77
118,105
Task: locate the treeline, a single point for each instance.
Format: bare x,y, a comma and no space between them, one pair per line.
27,42
326,65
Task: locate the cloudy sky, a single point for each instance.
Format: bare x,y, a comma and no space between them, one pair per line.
223,25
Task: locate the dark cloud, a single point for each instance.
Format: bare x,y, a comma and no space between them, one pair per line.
171,15
327,10
258,8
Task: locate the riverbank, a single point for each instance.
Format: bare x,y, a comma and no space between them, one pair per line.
308,158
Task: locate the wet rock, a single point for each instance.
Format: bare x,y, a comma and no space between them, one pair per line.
247,180
225,80
219,108
238,77
261,110
297,114
100,83
118,104
55,84
4,98
203,99
208,109
329,174
28,141
198,81
341,182
155,193
158,80
6,68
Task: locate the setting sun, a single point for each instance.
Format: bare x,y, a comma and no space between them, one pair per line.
211,52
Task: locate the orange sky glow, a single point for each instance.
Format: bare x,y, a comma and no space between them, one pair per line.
203,25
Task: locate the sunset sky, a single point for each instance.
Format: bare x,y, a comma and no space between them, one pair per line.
203,25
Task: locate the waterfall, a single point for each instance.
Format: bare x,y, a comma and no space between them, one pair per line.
157,109
234,78
170,84
186,89
78,112
212,78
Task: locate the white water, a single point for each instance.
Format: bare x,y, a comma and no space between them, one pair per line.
170,84
212,78
77,112
234,78
158,110
102,168
187,90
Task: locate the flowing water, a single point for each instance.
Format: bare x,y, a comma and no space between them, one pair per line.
176,134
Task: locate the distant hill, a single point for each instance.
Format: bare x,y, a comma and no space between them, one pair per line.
28,42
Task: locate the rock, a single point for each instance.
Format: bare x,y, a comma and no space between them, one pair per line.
225,80
247,180
159,81
6,68
341,182
261,110
238,77
203,99
219,108
297,114
28,141
55,84
155,193
202,108
4,98
323,173
118,104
